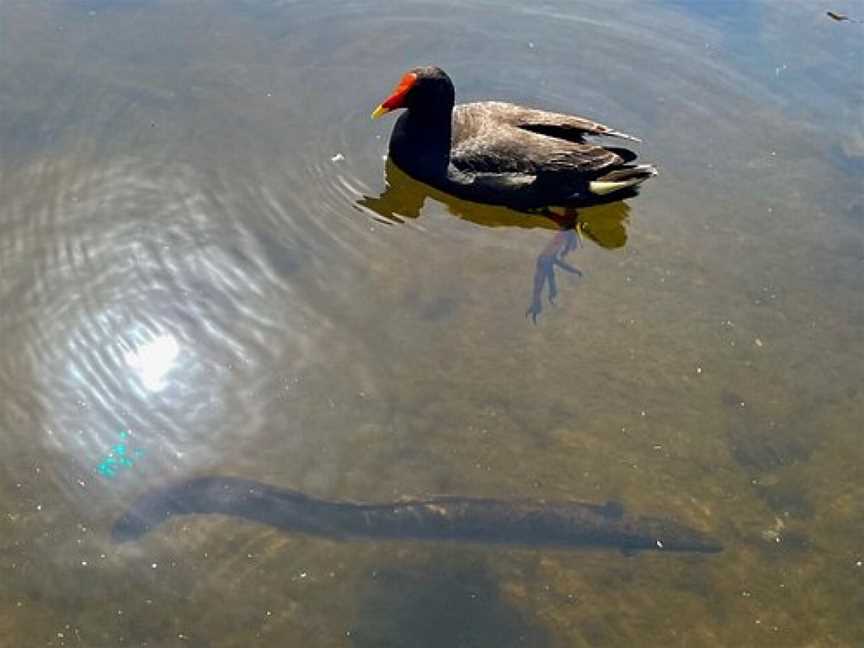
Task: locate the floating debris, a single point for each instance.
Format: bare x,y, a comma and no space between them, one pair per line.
841,17
337,158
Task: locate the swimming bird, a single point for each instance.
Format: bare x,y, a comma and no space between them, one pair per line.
504,154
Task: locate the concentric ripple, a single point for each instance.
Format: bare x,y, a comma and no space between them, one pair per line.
148,309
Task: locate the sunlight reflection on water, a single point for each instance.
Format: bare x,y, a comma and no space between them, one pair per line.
152,361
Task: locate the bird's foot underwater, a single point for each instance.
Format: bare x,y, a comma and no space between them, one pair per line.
562,244
572,240
534,310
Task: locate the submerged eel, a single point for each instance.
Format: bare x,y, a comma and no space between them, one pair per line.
521,522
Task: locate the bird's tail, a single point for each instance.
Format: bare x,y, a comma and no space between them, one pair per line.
622,178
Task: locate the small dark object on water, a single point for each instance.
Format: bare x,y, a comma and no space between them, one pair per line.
841,17
461,519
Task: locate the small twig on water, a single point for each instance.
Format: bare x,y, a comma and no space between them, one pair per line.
841,17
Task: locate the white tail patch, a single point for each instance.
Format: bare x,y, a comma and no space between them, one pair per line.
615,182
602,188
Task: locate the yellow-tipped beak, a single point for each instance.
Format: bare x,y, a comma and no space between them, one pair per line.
380,110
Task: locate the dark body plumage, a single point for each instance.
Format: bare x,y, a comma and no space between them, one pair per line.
501,153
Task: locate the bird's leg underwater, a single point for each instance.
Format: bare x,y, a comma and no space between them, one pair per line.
561,244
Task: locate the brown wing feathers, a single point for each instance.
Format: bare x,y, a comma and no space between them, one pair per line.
569,127
493,136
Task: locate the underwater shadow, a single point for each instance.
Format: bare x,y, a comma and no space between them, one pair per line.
439,604
603,221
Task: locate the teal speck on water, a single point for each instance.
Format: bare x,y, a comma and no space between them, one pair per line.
118,458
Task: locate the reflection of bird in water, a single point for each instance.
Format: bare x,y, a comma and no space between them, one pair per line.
605,224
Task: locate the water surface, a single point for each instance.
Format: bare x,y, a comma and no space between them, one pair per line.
200,275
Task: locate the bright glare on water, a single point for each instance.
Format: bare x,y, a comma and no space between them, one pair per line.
152,360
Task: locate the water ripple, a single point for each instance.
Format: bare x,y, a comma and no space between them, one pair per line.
138,316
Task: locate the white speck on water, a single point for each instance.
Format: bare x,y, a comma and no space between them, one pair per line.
659,544
154,565
83,563
38,507
859,563
698,370
530,45
758,342
337,158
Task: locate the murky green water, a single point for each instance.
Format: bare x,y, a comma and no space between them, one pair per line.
193,253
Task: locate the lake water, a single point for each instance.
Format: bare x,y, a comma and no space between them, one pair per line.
199,275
